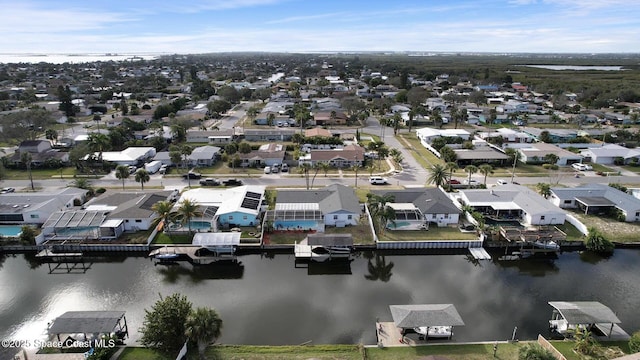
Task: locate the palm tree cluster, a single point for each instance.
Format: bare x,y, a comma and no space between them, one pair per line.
381,213
187,210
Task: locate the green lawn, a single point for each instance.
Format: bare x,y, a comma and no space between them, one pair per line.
566,348
249,352
434,233
361,233
423,156
602,168
635,169
163,238
21,174
452,352
572,233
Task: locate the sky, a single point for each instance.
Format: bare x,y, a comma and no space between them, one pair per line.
206,26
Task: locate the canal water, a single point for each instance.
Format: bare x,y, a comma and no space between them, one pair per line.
266,300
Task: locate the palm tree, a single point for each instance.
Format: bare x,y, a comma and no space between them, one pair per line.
304,170
438,175
380,271
165,211
471,169
544,189
142,176
26,159
380,211
122,173
99,143
203,326
188,210
486,170
324,167
451,167
386,215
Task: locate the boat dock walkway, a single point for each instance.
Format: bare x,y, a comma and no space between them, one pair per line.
388,335
48,254
192,253
480,253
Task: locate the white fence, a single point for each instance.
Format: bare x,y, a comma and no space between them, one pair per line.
578,224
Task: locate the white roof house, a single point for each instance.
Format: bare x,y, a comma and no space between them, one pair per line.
129,156
595,198
35,208
535,153
534,209
609,152
428,134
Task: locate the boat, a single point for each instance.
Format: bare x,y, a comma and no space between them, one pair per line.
435,332
547,245
163,254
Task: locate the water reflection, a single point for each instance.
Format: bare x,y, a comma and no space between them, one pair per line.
379,270
269,301
171,272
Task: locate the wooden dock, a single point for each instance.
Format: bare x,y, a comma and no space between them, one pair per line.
480,253
388,335
48,254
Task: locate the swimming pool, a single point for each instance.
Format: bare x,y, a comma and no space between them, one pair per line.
10,230
200,225
296,225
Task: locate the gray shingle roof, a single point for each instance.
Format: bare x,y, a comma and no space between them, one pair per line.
429,201
411,316
607,194
332,198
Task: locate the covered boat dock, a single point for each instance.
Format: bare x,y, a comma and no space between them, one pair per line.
592,316
428,321
91,325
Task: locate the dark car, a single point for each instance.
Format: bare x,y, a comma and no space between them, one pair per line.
192,175
232,182
209,182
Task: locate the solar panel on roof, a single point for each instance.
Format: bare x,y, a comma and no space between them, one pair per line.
249,203
253,195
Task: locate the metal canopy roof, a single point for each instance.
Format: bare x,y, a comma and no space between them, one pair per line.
592,201
585,312
411,316
86,322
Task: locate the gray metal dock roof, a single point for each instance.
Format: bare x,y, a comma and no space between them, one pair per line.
411,316
585,312
86,322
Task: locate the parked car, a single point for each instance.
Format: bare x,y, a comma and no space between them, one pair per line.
378,180
163,169
472,182
192,175
502,182
453,182
232,182
267,170
210,182
7,190
581,167
285,168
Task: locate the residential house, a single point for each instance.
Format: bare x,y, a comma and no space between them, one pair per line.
513,202
335,205
556,135
266,155
129,156
534,153
415,208
317,131
426,135
481,153
133,209
348,156
213,137
227,208
608,153
507,135
40,151
263,135
35,208
328,118
596,199
203,156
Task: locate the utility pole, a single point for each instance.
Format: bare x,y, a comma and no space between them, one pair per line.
515,160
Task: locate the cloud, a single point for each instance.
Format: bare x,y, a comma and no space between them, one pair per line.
211,5
27,18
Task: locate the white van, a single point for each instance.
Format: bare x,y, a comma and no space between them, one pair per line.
377,180
267,170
